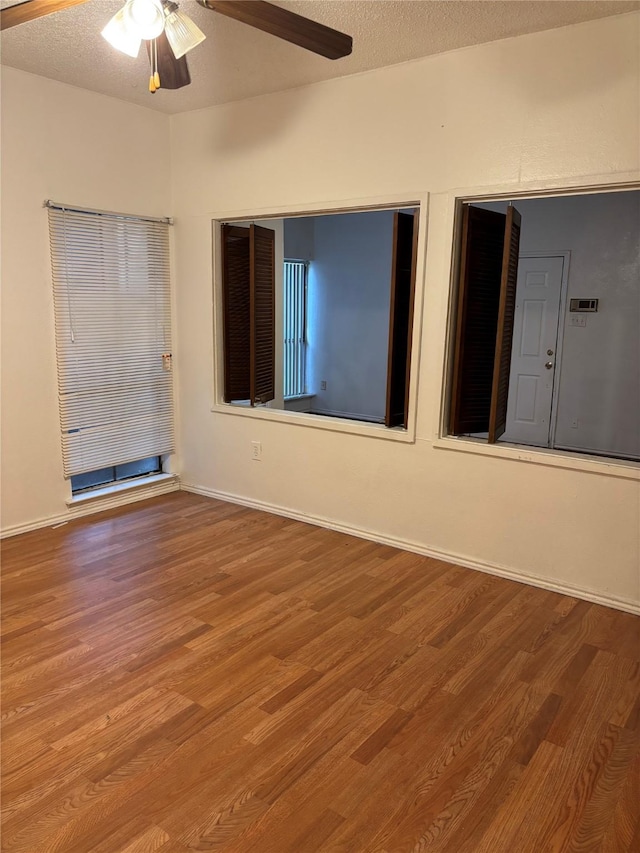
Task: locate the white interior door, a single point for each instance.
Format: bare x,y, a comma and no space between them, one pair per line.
533,359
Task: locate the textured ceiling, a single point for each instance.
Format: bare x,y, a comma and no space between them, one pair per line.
238,62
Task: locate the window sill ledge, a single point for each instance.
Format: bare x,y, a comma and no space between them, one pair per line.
299,397
552,458
312,421
116,488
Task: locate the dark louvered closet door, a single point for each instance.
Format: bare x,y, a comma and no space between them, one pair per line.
477,319
236,312
504,336
262,269
403,276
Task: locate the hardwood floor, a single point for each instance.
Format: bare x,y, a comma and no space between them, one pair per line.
186,674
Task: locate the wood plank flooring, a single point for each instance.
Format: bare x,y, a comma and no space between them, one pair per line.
185,674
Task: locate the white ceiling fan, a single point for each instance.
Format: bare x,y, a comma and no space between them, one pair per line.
169,34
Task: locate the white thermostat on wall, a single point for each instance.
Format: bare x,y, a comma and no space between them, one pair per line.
586,305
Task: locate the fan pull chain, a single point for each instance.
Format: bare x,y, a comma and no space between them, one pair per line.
154,77
152,84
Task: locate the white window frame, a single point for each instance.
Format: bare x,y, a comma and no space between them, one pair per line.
418,201
161,309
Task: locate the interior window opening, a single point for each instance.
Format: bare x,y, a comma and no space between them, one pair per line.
318,313
546,350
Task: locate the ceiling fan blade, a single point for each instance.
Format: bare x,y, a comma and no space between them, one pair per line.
174,73
29,10
286,25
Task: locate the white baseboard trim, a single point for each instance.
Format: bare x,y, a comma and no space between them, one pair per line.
626,604
100,504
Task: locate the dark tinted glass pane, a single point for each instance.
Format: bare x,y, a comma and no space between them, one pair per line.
134,469
92,478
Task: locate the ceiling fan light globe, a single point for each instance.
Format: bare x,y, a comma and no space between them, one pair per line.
145,17
183,35
121,36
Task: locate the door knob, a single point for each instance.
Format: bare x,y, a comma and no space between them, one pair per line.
549,365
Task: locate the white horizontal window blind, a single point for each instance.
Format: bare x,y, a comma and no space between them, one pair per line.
295,332
113,338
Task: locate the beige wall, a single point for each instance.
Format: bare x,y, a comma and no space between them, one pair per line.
550,110
71,146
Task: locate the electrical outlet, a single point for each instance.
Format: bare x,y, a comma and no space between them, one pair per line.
323,385
256,451
574,423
